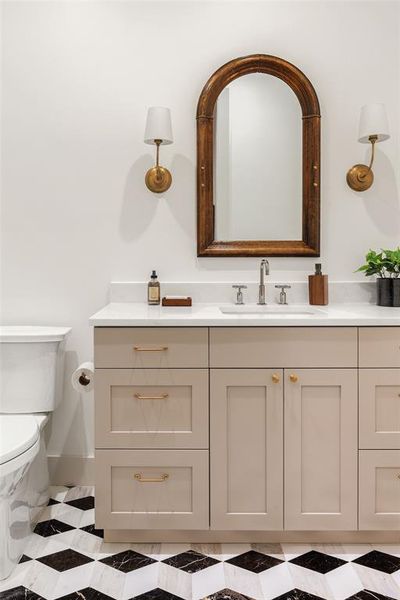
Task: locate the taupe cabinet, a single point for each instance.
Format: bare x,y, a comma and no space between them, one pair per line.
247,428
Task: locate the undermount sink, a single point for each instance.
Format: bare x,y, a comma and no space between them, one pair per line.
257,309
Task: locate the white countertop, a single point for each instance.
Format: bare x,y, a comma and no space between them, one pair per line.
139,314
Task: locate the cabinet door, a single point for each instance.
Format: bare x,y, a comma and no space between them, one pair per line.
321,449
379,401
246,442
380,489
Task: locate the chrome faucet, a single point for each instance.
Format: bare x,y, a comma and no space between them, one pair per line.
264,270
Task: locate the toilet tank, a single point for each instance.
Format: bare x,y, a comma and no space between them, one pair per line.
31,368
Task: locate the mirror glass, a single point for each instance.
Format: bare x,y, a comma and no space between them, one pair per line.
258,160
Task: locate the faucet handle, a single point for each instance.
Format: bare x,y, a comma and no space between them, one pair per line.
239,294
282,295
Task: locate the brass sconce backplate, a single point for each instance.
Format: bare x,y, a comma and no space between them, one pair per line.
158,179
360,178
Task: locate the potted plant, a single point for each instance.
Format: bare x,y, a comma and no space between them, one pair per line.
386,265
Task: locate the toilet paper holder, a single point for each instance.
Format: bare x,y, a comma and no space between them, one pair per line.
84,379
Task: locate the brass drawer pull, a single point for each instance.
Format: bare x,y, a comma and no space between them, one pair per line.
161,397
139,477
275,378
156,349
293,378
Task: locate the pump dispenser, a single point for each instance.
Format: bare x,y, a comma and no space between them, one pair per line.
153,289
318,287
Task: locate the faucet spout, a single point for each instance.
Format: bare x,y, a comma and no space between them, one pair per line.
264,270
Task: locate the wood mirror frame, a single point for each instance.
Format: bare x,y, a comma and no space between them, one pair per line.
302,87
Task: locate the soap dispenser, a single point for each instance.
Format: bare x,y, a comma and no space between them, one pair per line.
153,289
318,287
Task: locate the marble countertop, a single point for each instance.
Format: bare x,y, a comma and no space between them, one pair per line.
139,314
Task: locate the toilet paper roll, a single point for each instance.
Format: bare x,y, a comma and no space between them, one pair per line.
83,377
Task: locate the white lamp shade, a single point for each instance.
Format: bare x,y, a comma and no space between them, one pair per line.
158,125
373,121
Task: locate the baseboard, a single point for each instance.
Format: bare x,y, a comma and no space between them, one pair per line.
196,536
71,470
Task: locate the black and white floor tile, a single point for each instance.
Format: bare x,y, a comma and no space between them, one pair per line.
66,558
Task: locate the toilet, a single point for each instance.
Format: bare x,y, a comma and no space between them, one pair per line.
31,376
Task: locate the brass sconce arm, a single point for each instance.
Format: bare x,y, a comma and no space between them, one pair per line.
373,139
360,177
158,179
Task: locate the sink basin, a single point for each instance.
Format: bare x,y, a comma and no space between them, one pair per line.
273,311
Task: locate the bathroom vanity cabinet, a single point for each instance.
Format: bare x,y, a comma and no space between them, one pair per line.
246,429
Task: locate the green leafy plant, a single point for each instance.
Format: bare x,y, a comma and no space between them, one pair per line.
385,264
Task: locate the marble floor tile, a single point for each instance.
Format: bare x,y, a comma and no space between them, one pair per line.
192,583
318,561
86,594
72,580
157,594
78,492
140,580
107,580
230,550
380,561
127,561
377,581
20,593
243,581
254,561
368,595
393,549
276,581
227,595
85,503
190,561
67,558
309,581
343,582
58,492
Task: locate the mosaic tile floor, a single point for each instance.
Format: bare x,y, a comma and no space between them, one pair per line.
66,558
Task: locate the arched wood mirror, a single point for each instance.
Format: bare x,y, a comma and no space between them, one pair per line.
258,161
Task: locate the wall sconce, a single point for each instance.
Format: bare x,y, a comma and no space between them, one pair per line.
158,131
373,128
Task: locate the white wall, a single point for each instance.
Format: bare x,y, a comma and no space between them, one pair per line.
77,80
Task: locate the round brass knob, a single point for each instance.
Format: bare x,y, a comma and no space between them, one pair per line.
275,378
293,378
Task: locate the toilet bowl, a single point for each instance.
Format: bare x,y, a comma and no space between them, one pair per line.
19,446
31,360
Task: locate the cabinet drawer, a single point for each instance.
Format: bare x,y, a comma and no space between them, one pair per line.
150,347
379,489
283,347
379,347
150,489
379,408
151,408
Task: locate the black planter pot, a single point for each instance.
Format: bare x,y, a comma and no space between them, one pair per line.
396,292
388,292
